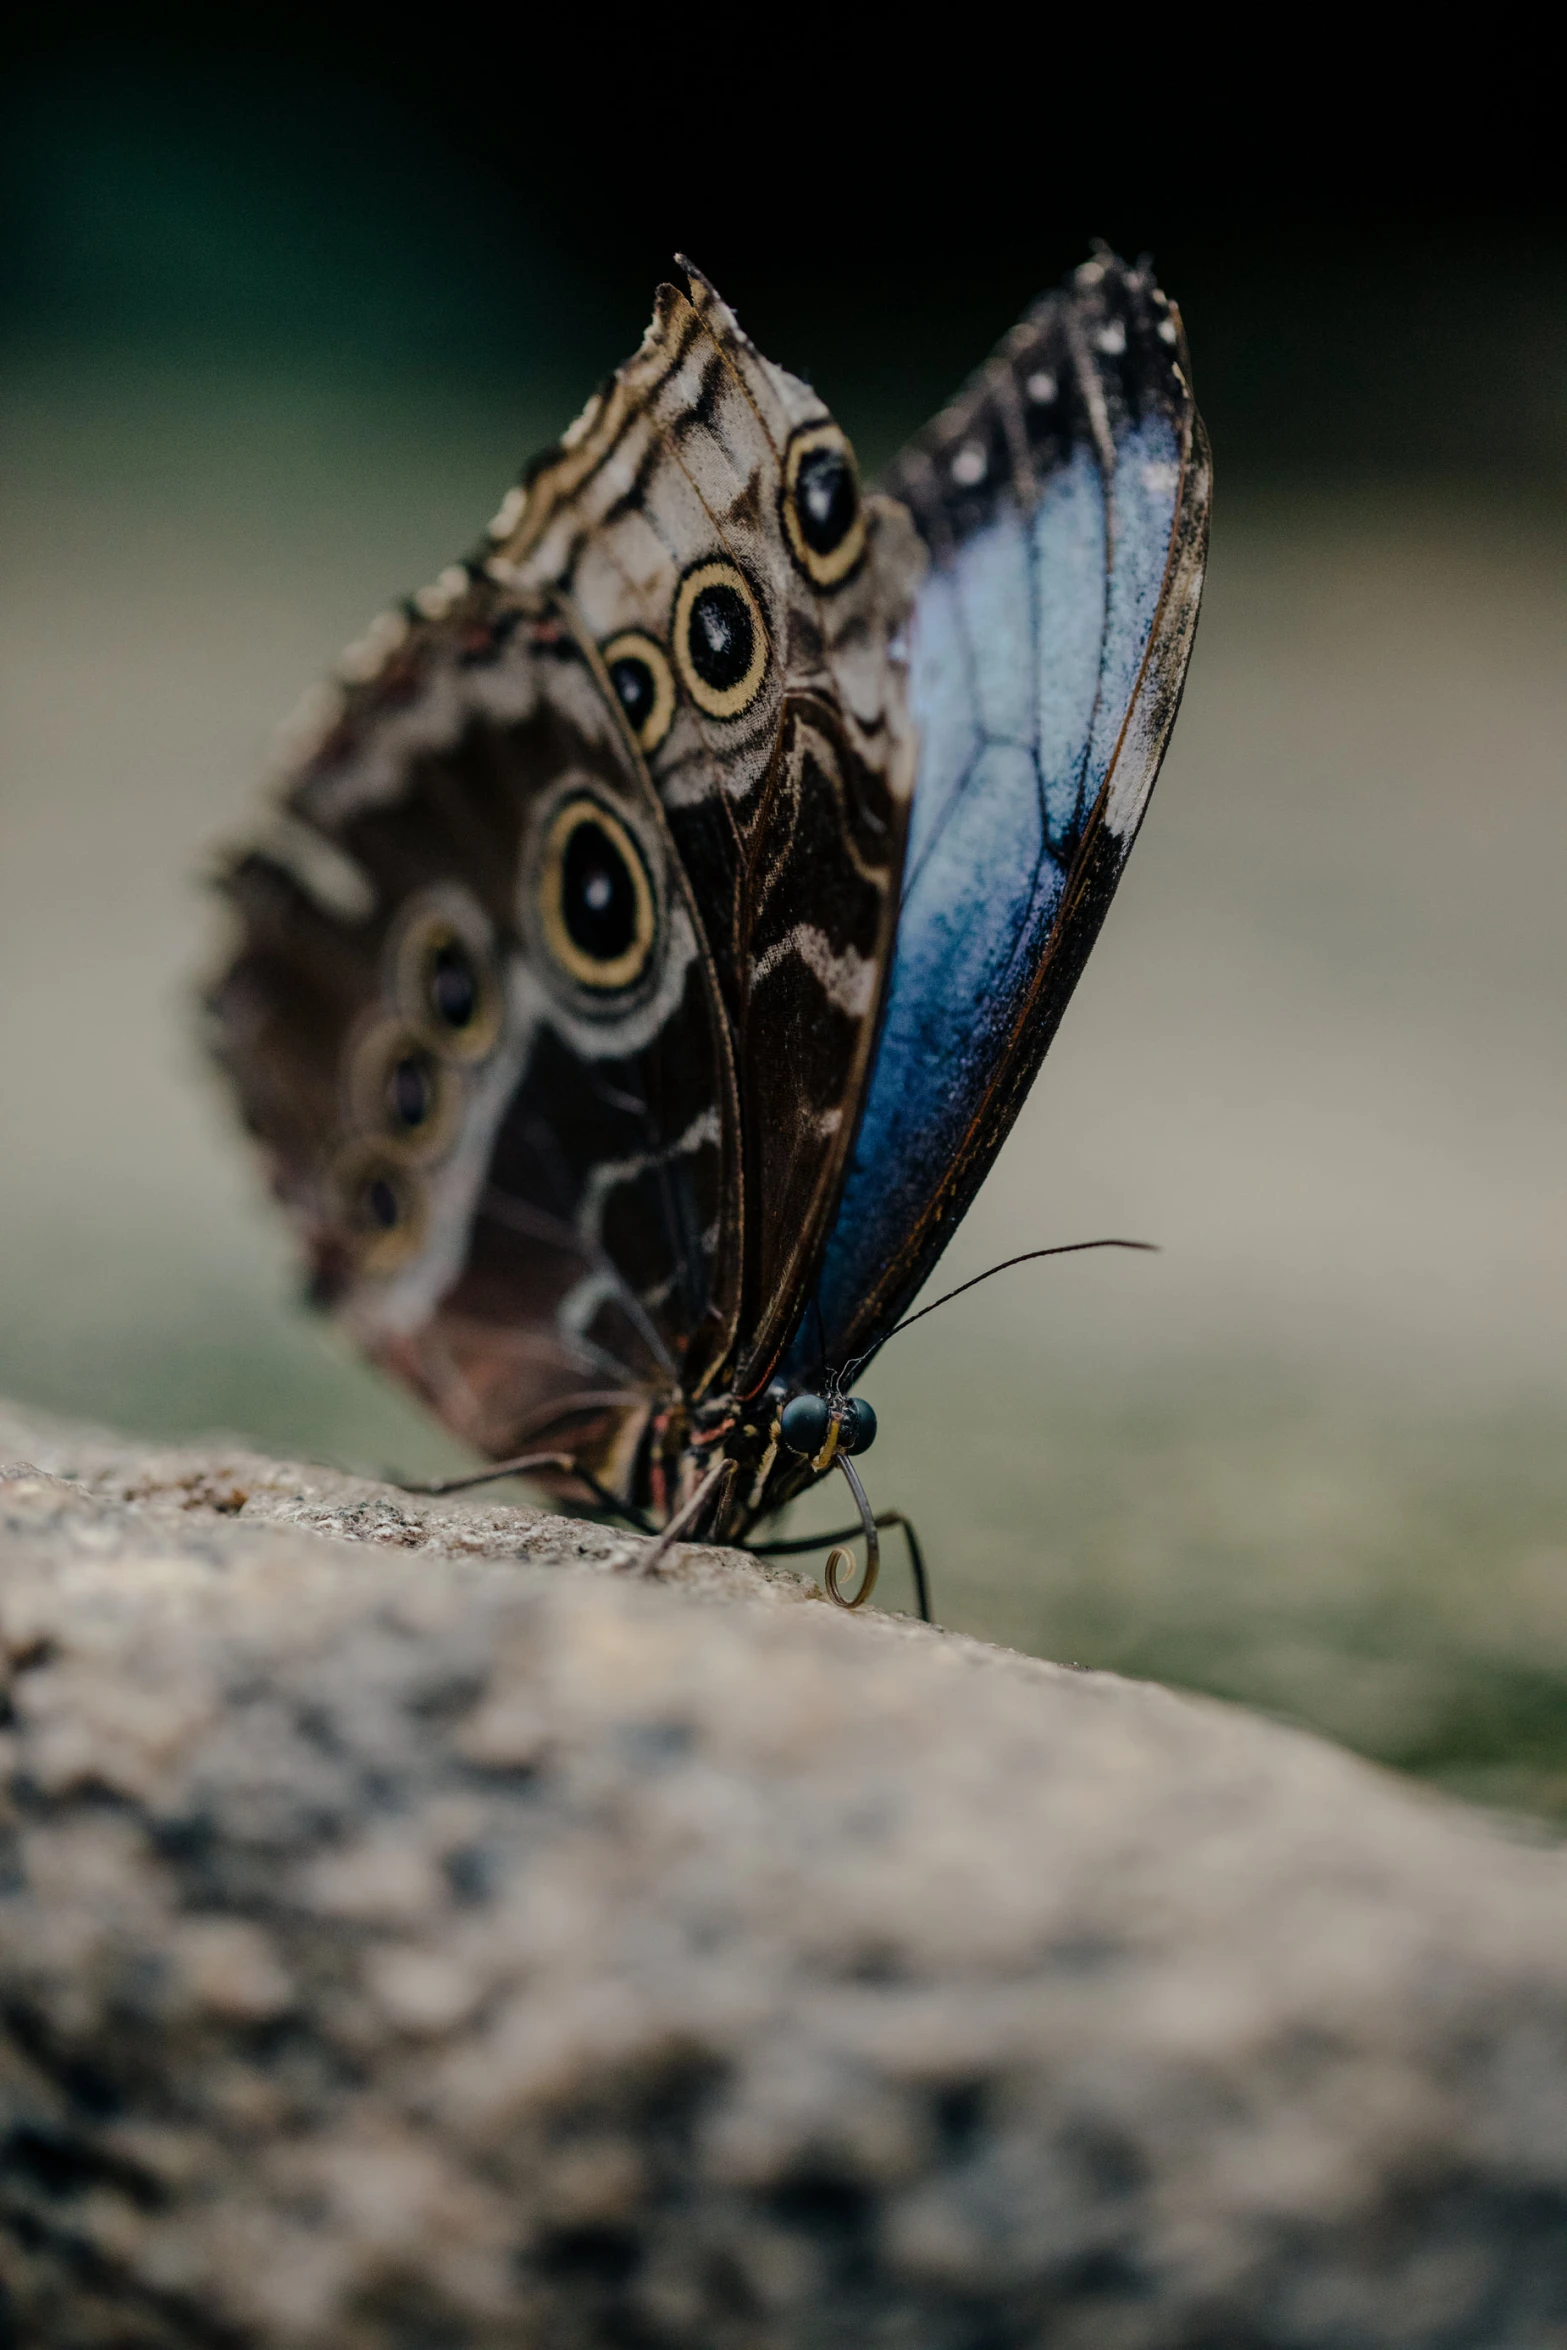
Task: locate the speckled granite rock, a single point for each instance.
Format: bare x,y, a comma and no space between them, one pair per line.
414,1932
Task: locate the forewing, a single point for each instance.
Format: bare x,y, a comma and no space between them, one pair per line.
501,1114
706,491
1064,500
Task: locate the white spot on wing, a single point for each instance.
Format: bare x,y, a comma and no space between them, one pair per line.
603,1285
436,600
969,465
1041,388
703,1133
332,880
848,980
1166,330
659,1294
307,726
369,654
581,426
578,1309
1111,338
509,513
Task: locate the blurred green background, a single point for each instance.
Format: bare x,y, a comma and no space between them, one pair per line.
281,320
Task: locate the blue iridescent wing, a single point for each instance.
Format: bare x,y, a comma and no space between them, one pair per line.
1064,499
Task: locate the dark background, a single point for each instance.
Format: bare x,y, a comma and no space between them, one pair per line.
1370,246
284,305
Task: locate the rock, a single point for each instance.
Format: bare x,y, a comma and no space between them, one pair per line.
417,1931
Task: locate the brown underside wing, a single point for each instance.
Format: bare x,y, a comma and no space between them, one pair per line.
563,971
560,970
511,1177
707,485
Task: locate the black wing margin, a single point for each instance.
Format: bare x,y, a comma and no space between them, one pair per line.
1064,497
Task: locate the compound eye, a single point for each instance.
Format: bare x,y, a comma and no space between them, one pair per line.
823,519
720,639
803,1423
595,898
859,1425
644,686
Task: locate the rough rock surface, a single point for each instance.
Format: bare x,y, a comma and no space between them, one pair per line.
414,1932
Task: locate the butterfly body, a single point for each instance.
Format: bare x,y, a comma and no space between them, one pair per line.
625,1027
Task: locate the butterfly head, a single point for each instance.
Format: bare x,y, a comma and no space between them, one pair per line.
817,1428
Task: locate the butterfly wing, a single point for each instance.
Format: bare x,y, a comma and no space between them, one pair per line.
704,520
474,1025
670,679
1064,499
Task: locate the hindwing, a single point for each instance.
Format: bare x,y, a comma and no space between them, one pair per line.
562,966
474,1024
600,1004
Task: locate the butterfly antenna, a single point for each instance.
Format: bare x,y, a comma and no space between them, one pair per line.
1067,1248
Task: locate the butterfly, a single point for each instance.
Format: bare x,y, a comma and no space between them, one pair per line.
665,912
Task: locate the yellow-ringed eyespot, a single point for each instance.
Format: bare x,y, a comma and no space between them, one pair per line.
639,672
383,1205
447,983
720,639
403,1092
595,898
823,519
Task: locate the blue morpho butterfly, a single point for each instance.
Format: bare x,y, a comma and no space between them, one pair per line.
668,909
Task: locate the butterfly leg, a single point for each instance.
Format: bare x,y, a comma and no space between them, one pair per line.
526,1465
712,1488
800,1543
916,1562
